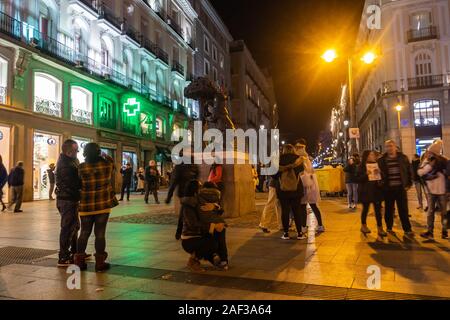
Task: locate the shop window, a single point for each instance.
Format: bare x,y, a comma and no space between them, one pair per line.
146,124
159,128
47,95
427,113
81,102
3,80
207,68
206,44
214,53
106,114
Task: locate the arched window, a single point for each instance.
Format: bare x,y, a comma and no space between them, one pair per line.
427,113
81,102
424,71
128,64
159,128
107,48
160,84
48,94
3,79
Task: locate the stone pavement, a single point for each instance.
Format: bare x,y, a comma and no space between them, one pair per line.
149,264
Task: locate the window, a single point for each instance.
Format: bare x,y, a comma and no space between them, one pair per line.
107,118
206,45
207,68
420,21
215,74
159,128
176,133
47,95
146,124
424,71
105,55
222,61
214,53
427,113
81,102
3,80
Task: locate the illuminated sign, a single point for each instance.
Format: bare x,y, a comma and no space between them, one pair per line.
132,107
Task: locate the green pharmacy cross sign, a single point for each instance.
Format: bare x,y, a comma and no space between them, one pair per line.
132,107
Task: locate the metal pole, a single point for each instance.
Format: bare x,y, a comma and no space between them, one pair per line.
399,129
354,144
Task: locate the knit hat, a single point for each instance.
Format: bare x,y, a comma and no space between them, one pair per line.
436,147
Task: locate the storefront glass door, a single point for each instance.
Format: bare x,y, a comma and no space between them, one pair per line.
5,143
45,152
130,157
82,142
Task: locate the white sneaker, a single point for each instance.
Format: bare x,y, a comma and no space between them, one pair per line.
320,229
302,236
285,236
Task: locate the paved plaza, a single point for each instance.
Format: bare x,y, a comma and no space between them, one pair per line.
148,262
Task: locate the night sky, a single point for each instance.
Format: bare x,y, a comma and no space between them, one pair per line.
288,37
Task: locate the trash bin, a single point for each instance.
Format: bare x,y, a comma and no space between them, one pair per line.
331,180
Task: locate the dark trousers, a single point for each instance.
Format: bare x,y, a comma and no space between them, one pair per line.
153,191
294,205
399,196
222,250
17,197
378,215
204,247
98,222
180,224
70,224
51,190
125,187
317,213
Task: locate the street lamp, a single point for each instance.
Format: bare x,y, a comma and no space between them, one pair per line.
399,109
346,123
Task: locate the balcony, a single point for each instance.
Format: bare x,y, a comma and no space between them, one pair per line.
10,26
55,49
48,107
81,116
88,8
422,34
3,92
162,55
130,35
389,87
161,13
426,82
175,26
149,46
178,68
109,22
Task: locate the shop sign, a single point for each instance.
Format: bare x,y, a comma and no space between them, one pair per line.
132,107
106,145
51,142
129,149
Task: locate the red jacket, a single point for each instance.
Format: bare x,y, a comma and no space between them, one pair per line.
215,175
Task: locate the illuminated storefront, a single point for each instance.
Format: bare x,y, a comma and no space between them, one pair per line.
5,145
46,150
82,142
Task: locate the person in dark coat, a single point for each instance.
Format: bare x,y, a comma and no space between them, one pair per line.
181,175
127,178
51,180
152,179
16,182
418,183
351,173
3,181
370,191
68,186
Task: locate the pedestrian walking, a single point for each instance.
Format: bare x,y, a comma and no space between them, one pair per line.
152,181
351,173
16,181
127,177
370,191
433,171
291,191
182,174
272,207
417,180
3,181
141,181
51,180
97,201
68,186
397,180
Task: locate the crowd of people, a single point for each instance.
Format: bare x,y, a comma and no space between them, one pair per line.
85,197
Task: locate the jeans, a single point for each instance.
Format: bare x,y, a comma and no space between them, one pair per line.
352,193
271,209
222,250
149,190
70,224
98,222
204,248
127,187
433,200
17,197
419,191
399,196
298,210
378,215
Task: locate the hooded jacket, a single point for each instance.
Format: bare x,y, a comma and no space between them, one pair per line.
193,225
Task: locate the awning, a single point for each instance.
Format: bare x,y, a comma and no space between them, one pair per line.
165,153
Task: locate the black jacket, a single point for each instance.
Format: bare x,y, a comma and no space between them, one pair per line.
181,175
287,160
368,191
68,183
351,173
127,176
51,176
16,177
193,225
152,179
405,170
3,176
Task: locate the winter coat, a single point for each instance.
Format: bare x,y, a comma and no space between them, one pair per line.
288,161
437,180
51,176
127,176
405,170
68,183
181,175
141,180
3,176
368,191
351,173
193,226
311,188
415,165
152,178
16,177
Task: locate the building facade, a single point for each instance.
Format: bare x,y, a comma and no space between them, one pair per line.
412,71
111,72
253,101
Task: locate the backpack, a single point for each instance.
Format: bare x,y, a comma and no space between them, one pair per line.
289,181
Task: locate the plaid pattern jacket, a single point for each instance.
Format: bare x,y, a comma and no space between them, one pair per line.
96,189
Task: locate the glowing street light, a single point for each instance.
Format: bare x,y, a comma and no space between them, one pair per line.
369,57
330,55
346,123
399,109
